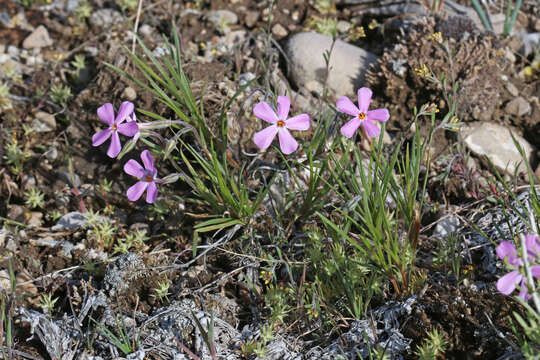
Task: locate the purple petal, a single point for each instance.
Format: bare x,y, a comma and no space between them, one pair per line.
283,107
364,98
349,128
128,129
264,138
380,115
263,111
151,192
298,122
287,143
371,129
535,271
533,245
504,249
135,192
147,160
524,290
133,168
106,113
508,282
346,106
126,109
115,147
100,137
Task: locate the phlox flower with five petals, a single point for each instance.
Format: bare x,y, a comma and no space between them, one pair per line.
147,177
362,117
116,125
280,125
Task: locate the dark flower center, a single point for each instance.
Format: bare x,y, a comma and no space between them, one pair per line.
281,123
113,127
149,179
362,116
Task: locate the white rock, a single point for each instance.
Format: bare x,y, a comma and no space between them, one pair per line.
104,18
43,122
518,107
279,31
348,63
495,142
222,17
38,38
129,94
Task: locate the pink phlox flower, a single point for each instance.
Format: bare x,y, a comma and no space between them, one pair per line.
508,283
280,125
106,114
147,177
362,117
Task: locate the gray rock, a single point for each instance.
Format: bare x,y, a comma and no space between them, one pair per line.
71,220
529,42
518,107
343,26
129,94
65,176
38,38
446,226
43,122
16,212
222,18
13,51
4,18
348,63
51,154
495,142
104,18
71,5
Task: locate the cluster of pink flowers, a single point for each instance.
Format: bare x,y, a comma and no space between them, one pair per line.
125,123
508,283
281,125
146,175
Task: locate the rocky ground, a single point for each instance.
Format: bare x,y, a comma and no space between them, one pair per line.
102,257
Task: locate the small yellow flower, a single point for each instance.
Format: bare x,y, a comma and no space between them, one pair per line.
527,70
422,71
266,277
437,37
432,108
202,45
373,24
361,32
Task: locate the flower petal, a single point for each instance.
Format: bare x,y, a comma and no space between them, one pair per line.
128,129
524,290
115,147
371,129
106,113
364,98
508,282
287,143
349,128
535,271
126,109
380,115
533,246
135,192
151,192
263,111
283,107
345,105
147,160
264,138
505,248
298,122
100,137
133,168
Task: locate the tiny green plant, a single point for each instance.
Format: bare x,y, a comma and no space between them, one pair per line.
122,340
60,94
433,346
83,11
162,289
104,233
34,198
16,156
126,5
79,64
47,302
448,256
5,102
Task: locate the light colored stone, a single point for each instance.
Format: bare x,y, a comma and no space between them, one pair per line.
129,94
348,63
38,38
495,142
35,219
518,107
43,122
104,18
251,18
279,31
5,281
222,18
512,89
343,26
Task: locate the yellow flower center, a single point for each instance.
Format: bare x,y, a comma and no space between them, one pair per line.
362,116
281,123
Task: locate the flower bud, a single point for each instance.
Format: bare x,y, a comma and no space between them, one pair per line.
174,177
